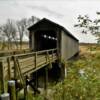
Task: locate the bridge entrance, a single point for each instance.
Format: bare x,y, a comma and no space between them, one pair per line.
45,39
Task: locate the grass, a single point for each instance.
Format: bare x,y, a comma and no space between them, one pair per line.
30,96
83,78
82,81
25,45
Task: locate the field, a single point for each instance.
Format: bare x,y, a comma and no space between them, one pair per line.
4,47
83,77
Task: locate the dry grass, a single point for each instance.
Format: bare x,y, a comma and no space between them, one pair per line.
25,45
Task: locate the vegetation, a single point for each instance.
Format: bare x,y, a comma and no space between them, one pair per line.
82,81
89,26
4,47
14,32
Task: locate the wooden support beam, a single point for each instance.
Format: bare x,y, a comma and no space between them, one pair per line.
15,68
25,89
30,82
46,82
9,68
35,59
62,67
48,59
52,54
12,89
19,71
2,81
36,83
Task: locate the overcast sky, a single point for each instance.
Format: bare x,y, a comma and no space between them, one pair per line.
63,12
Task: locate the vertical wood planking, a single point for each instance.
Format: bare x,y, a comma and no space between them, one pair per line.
59,44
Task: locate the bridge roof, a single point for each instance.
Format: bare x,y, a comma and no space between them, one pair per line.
57,25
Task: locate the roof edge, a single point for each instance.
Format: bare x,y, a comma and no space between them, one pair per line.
63,28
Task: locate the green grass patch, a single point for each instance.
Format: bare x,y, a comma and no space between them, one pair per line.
82,81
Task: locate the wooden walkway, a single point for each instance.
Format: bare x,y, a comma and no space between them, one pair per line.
21,65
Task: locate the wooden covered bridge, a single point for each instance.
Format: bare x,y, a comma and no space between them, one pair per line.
50,44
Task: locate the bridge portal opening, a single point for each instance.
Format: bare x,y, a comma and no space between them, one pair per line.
45,39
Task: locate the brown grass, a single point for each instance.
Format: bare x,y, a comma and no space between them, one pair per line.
25,45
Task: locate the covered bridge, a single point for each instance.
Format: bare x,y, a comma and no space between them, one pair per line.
46,34
51,43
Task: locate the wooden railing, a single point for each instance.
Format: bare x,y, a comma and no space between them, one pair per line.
13,52
18,66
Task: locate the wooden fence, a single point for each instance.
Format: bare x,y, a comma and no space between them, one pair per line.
17,67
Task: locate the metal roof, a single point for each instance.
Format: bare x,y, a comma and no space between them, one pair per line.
57,25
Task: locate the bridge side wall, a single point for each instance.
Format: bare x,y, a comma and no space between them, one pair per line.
69,46
32,40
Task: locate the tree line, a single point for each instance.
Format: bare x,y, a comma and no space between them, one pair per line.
13,32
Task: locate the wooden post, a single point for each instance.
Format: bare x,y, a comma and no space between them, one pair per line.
36,82
9,70
46,82
2,81
65,70
52,55
62,71
15,68
5,96
35,59
48,59
47,56
25,89
12,89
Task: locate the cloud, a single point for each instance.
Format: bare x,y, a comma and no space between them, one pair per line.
46,10
63,12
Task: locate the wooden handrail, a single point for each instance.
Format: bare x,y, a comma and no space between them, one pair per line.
31,53
11,51
38,52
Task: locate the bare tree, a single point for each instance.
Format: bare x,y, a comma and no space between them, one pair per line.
21,26
2,39
32,20
14,32
9,31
